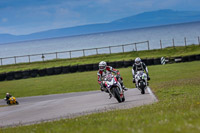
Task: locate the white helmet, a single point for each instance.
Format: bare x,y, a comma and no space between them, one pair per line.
102,65
7,94
137,61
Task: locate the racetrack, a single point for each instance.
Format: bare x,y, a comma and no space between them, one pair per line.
52,107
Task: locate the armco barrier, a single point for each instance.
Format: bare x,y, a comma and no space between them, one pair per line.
2,76
42,72
89,67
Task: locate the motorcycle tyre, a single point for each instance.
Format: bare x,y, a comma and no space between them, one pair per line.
17,102
117,94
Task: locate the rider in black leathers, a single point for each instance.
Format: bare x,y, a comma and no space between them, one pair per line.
139,66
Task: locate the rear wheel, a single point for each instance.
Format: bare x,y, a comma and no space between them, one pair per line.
17,102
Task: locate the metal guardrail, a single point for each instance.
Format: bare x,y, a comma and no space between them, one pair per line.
68,54
56,54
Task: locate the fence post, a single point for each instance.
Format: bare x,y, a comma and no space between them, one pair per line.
185,41
148,45
110,49
135,47
160,44
70,54
199,40
123,48
56,55
43,57
173,42
1,62
15,60
29,59
97,51
83,52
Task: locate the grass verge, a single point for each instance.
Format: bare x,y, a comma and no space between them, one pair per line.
177,87
167,52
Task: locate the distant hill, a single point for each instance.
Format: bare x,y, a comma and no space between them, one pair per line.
146,19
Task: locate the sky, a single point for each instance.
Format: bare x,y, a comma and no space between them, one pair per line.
21,17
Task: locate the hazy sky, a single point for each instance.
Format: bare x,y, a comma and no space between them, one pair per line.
29,16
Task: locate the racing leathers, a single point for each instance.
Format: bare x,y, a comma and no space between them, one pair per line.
107,70
139,67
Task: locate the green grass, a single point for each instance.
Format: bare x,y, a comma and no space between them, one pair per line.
167,52
177,87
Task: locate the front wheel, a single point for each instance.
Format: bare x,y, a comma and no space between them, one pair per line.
116,92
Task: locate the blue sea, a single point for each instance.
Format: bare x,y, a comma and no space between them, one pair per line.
153,34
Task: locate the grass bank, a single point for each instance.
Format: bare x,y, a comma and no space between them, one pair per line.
177,87
167,52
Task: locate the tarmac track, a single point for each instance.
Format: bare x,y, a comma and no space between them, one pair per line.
37,109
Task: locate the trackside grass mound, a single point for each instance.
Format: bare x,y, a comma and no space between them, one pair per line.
167,52
177,87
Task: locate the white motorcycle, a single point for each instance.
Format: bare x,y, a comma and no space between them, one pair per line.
114,87
141,81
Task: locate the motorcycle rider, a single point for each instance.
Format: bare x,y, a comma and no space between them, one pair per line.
7,96
103,70
139,66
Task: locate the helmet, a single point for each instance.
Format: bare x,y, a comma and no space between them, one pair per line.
7,94
102,65
137,61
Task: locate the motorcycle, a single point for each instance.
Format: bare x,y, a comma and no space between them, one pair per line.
141,81
11,101
113,87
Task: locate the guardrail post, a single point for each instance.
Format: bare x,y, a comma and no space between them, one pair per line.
199,40
123,48
173,42
29,58
110,49
70,54
161,44
83,52
185,41
97,51
15,60
56,55
43,57
148,45
135,46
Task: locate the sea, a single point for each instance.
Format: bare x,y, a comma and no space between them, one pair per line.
47,49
